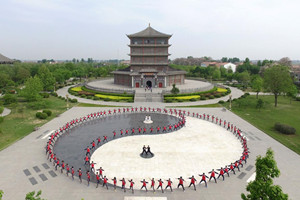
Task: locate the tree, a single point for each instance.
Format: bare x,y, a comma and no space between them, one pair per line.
47,78
224,59
277,80
22,74
174,90
259,104
33,86
285,61
262,187
244,78
257,84
1,194
292,92
216,75
33,196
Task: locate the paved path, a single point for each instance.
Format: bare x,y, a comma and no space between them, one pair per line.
236,93
24,167
5,112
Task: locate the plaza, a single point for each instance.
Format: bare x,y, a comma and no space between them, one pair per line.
24,163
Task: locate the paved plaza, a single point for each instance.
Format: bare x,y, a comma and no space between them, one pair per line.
24,166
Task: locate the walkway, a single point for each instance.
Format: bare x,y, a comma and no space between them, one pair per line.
5,112
236,93
24,167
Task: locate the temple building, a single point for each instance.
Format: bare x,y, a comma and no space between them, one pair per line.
149,63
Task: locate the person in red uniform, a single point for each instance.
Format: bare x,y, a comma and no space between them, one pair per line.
144,184
86,159
152,184
144,130
121,132
193,181
51,156
132,131
180,183
126,131
88,177
98,179
105,138
93,166
131,185
226,170
88,151
100,172
105,182
68,169
213,175
99,141
72,172
123,184
140,129
164,129
203,179
169,184
115,182
62,166
79,174
158,129
57,164
151,130
236,165
93,145
160,182
221,173
231,167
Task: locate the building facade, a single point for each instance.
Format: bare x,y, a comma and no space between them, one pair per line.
149,62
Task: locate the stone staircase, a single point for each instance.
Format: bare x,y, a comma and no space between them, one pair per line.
142,96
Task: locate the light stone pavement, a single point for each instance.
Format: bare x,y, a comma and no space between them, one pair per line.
198,147
29,154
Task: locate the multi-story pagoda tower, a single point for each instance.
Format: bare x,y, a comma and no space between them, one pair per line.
149,63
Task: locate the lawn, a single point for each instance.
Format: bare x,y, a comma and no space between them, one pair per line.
265,118
19,124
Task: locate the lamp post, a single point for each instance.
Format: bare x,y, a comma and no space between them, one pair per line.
230,96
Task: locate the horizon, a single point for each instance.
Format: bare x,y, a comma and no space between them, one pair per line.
35,30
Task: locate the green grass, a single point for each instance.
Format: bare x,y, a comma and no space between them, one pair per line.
198,106
17,125
265,118
95,105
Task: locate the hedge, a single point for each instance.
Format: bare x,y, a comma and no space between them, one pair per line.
41,115
189,94
106,93
45,95
284,128
101,96
76,89
1,109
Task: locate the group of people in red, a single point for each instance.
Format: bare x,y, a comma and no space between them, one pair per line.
100,178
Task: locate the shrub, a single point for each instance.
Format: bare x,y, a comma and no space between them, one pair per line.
9,99
54,94
297,98
48,112
73,100
130,101
202,98
41,115
223,94
96,98
217,95
89,97
179,100
285,129
76,89
1,109
1,119
193,99
86,93
83,96
107,99
169,100
221,102
45,95
211,96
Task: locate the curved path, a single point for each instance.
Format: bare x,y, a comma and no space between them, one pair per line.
236,93
5,112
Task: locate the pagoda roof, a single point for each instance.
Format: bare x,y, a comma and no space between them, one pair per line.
4,59
149,32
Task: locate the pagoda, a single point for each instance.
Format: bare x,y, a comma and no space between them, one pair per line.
149,63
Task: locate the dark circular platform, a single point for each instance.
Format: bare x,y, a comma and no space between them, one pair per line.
147,155
70,146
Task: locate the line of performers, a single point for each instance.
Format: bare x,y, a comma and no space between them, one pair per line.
100,178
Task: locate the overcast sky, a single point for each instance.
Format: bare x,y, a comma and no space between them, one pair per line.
66,29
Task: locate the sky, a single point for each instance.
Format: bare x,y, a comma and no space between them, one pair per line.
66,29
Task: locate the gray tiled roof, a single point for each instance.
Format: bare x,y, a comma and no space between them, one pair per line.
5,59
149,32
